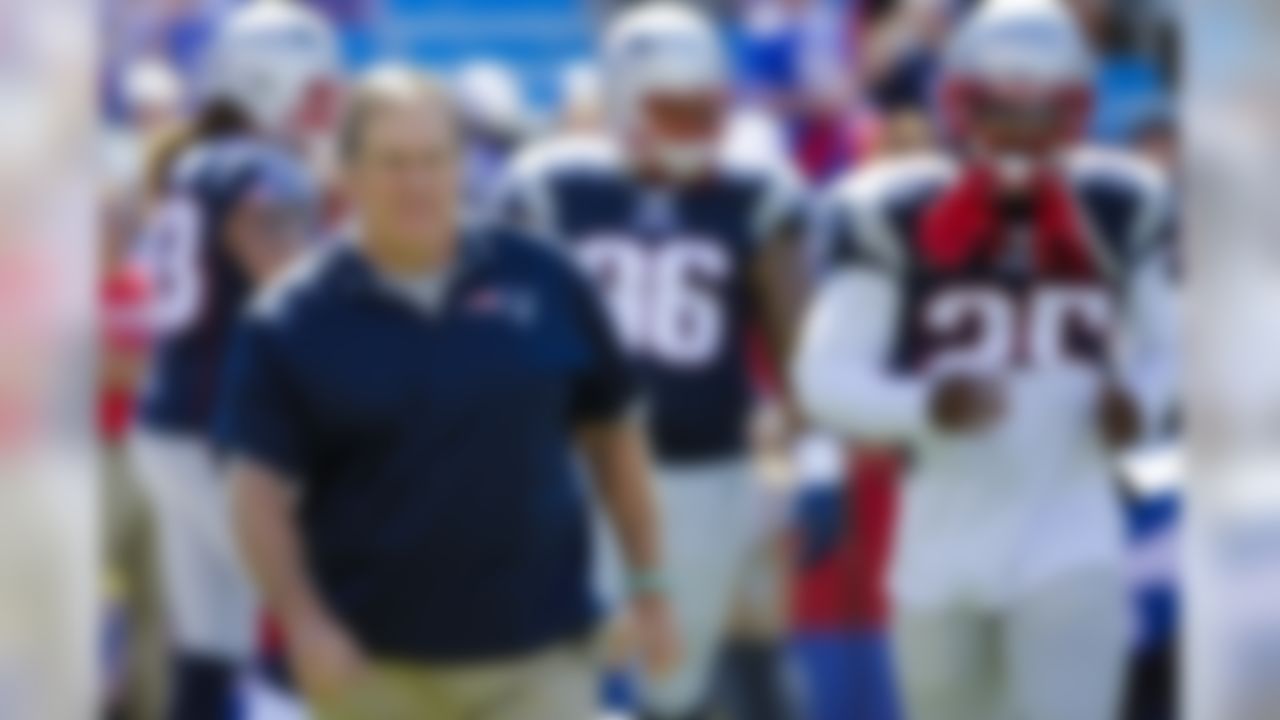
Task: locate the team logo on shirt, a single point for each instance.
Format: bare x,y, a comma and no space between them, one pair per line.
516,304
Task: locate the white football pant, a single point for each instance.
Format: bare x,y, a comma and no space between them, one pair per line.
709,514
208,595
1056,653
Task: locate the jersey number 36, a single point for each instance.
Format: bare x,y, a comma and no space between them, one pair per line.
665,297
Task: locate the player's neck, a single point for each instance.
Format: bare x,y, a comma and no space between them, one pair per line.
651,173
407,257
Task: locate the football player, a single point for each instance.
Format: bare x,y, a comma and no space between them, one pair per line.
1004,315
691,246
495,121
238,204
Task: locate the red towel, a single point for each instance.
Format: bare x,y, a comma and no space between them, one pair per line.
965,226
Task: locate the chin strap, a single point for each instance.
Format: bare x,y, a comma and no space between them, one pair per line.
969,225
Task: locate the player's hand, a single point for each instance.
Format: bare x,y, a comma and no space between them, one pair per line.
656,638
962,404
1119,420
323,656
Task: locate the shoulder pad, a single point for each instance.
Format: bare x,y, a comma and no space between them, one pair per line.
768,168
526,197
1123,171
884,182
1126,201
776,181
872,203
218,166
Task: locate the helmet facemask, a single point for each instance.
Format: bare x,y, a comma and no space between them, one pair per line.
1017,86
666,86
678,134
1017,130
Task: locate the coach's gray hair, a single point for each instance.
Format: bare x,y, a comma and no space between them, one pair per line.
387,86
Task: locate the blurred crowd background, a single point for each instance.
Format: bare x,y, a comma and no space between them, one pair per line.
831,83
840,80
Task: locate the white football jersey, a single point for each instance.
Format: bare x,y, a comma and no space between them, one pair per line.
992,514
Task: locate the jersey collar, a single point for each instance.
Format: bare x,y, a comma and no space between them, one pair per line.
360,277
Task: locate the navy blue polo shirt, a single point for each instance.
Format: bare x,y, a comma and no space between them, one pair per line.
441,511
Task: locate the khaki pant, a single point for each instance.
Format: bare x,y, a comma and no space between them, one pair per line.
132,564
556,684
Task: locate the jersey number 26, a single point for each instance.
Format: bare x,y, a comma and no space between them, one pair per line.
1000,330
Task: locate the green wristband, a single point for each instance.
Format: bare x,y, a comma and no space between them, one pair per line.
646,582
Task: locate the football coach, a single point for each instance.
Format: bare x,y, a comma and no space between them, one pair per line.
404,418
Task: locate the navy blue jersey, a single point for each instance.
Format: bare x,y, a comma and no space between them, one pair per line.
673,266
998,311
441,510
198,287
